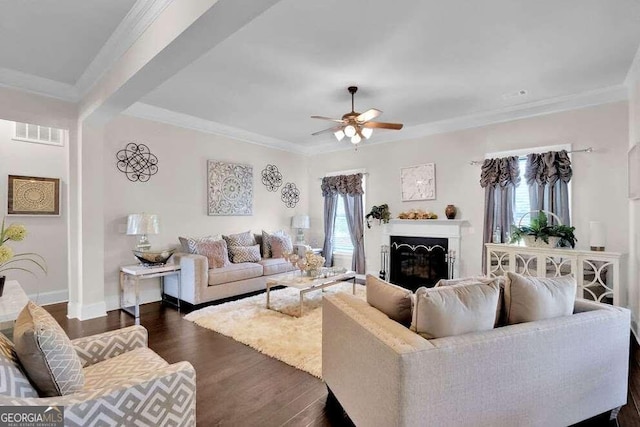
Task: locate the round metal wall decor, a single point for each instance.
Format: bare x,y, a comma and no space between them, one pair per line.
271,177
290,195
137,162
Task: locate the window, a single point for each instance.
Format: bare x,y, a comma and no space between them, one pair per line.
38,134
522,191
341,236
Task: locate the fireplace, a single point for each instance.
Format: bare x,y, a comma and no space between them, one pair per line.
418,261
444,233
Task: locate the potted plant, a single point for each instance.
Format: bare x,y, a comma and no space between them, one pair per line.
540,233
381,213
11,261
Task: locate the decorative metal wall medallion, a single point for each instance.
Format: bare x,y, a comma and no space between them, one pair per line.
271,177
230,188
137,162
290,195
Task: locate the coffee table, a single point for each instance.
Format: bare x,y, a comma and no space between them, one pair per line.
308,284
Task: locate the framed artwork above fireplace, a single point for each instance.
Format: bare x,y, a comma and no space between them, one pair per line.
418,182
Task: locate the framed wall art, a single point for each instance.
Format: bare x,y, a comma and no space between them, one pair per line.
634,172
229,188
418,182
32,195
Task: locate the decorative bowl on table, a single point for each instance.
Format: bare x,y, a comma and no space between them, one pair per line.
154,257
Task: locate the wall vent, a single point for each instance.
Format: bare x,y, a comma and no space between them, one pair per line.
38,134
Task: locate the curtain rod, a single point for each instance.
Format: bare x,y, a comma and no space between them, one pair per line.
363,173
583,150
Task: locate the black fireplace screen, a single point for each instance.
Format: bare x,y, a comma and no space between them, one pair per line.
418,261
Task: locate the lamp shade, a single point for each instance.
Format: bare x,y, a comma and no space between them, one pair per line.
144,223
597,234
300,221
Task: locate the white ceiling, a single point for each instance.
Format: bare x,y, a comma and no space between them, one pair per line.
422,62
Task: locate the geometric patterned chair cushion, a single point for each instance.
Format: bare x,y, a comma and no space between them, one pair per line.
119,369
46,353
189,243
13,382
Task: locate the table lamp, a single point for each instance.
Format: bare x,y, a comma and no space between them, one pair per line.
301,222
141,225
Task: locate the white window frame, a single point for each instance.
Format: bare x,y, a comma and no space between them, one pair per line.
364,188
538,150
62,135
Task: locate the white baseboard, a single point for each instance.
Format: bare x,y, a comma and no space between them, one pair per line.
87,311
52,297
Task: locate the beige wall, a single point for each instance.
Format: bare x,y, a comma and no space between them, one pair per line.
599,184
178,193
634,205
47,234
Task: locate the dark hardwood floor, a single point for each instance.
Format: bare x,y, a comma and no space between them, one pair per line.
238,386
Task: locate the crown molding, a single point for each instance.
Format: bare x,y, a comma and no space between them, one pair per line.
162,115
39,85
507,114
634,69
136,21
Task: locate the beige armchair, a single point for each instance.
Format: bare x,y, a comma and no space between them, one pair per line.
126,383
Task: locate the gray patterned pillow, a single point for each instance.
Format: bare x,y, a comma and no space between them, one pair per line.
46,353
245,253
240,239
266,242
13,382
215,251
189,243
280,243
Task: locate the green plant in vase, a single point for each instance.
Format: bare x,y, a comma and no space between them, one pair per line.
11,261
540,229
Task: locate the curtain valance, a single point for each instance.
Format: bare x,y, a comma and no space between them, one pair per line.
342,184
500,172
547,168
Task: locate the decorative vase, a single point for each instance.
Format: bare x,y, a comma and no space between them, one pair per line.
450,211
2,279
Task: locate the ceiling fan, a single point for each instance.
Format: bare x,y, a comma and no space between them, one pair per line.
356,125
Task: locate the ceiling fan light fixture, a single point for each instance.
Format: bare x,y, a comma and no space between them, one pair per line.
367,132
356,139
339,135
350,131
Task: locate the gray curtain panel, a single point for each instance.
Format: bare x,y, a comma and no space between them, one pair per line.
548,175
344,185
355,220
499,178
330,206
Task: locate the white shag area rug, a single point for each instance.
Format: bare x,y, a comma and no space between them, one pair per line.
296,341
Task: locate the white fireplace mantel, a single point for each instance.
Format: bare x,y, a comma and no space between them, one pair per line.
450,229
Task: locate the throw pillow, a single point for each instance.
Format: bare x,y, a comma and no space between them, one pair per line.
46,353
500,311
215,251
266,242
280,243
536,298
454,310
13,381
240,239
245,253
392,300
188,244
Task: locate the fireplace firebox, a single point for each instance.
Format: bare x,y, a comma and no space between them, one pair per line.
418,261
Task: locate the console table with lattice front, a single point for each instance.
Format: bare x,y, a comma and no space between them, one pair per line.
597,273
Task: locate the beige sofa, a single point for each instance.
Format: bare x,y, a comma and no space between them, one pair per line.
553,372
201,284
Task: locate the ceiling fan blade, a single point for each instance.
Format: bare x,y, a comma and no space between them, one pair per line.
331,129
382,125
368,115
328,118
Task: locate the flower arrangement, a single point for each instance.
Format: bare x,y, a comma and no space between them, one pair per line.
9,260
381,213
313,262
417,214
